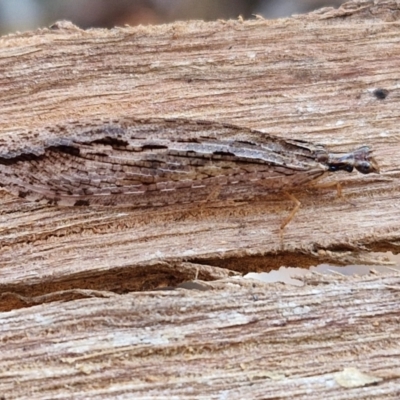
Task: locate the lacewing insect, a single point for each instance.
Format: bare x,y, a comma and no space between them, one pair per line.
157,162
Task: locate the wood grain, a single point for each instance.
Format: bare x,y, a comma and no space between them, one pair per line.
238,339
296,78
330,78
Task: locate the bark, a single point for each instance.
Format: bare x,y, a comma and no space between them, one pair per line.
329,77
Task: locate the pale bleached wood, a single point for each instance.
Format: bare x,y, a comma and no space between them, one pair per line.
240,339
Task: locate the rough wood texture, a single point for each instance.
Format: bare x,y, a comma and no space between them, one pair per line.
313,77
238,340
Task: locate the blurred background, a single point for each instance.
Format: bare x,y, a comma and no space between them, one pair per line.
22,15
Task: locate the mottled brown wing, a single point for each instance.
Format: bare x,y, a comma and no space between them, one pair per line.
143,165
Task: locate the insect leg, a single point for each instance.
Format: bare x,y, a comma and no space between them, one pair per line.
296,208
328,185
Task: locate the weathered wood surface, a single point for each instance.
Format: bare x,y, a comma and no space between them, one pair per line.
237,340
311,77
